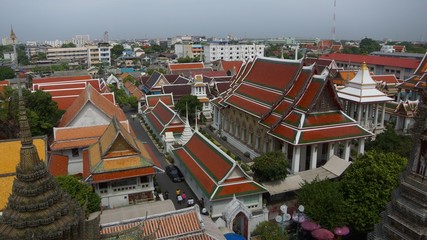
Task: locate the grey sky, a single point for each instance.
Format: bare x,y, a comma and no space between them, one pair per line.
125,19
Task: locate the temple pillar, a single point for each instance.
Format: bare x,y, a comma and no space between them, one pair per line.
347,150
296,159
366,124
331,150
376,116
303,158
285,148
361,146
383,116
313,159
359,113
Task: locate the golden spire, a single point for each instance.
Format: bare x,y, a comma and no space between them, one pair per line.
364,66
12,35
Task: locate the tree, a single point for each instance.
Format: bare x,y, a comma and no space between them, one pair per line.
81,192
117,51
324,203
192,103
6,73
368,45
41,56
42,112
390,141
22,55
270,166
150,71
269,231
367,187
133,102
68,45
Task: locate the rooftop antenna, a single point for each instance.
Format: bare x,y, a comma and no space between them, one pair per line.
333,27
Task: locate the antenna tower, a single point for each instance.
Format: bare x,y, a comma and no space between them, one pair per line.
106,37
333,27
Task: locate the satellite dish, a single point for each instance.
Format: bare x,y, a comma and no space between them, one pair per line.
278,218
301,208
287,217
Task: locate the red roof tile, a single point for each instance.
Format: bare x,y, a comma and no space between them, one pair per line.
64,101
283,107
310,94
216,164
182,66
285,133
231,65
238,189
58,165
60,79
336,133
259,94
151,100
247,105
273,74
60,86
298,87
208,185
374,60
109,176
389,79
328,118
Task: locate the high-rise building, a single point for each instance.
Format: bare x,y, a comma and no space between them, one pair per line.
229,52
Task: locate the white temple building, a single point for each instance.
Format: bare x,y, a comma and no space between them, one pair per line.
362,101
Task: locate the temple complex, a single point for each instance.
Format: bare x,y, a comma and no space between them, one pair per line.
282,105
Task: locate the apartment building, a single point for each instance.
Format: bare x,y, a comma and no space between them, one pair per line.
189,50
91,55
229,52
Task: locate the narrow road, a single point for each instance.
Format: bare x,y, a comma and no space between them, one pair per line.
162,179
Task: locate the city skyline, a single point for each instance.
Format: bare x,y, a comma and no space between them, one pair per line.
129,19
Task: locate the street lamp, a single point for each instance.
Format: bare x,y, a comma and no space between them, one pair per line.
284,218
299,217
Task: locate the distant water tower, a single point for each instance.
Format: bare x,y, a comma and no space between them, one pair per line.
106,37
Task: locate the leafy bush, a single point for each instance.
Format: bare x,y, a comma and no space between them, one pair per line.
270,166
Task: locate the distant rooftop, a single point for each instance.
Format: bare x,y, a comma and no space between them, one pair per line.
400,55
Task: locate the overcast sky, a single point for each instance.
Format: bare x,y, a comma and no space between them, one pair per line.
129,19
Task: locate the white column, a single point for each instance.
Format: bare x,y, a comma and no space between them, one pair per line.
331,150
359,113
285,149
361,147
347,150
296,159
303,158
366,115
383,116
313,155
376,116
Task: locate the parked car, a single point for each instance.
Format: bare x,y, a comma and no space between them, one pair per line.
174,173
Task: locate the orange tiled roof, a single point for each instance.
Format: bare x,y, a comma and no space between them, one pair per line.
99,101
58,165
60,79
151,100
231,65
389,79
183,66
116,155
184,223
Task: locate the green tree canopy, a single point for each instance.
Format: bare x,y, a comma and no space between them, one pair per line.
80,191
42,112
150,71
391,142
270,166
6,73
324,203
68,45
269,231
368,45
117,51
367,187
192,103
